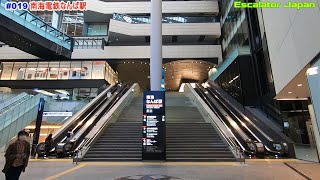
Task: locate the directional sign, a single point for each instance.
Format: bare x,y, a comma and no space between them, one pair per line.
154,126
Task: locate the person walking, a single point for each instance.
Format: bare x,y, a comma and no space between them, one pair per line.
49,144
17,157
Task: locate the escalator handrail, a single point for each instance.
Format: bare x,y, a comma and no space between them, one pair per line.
85,145
233,114
97,116
228,104
243,135
239,150
79,113
239,144
270,140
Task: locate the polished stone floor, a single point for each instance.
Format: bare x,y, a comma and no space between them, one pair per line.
253,169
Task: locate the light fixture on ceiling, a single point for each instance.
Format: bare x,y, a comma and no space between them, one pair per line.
312,71
289,92
299,85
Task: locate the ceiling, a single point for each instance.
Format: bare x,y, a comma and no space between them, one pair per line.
185,71
176,72
297,88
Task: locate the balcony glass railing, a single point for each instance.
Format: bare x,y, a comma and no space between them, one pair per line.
18,117
10,103
89,43
37,25
165,19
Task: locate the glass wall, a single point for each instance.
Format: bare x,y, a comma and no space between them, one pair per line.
97,29
72,23
235,30
58,70
313,77
230,81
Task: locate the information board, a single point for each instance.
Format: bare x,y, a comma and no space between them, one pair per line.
154,126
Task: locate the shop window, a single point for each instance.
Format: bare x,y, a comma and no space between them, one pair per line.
75,70
98,69
86,70
7,70
64,70
53,71
42,71
18,70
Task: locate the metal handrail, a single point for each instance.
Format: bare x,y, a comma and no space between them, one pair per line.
232,144
7,104
46,27
31,99
85,144
87,42
88,141
166,19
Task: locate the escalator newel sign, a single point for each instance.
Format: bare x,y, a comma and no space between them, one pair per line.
154,126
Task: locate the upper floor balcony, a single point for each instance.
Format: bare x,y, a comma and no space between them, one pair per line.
143,7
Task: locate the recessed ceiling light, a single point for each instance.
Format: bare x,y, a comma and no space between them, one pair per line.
299,85
289,92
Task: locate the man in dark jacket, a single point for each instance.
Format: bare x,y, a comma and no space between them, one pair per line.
17,157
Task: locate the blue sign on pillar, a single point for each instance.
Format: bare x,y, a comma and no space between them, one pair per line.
154,126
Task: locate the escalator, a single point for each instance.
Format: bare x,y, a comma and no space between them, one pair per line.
245,129
246,143
81,124
273,147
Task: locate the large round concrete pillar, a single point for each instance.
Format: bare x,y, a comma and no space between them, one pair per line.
156,45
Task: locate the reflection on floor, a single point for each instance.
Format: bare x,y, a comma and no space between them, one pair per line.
306,152
253,169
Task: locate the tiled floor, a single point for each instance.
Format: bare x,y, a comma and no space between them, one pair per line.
254,169
306,153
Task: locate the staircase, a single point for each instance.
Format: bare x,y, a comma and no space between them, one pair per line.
189,137
122,140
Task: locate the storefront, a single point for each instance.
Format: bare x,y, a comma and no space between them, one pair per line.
58,70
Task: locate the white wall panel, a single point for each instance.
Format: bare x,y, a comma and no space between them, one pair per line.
212,29
144,7
14,53
126,52
293,41
136,52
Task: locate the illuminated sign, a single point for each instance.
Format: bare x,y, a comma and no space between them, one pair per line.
47,6
154,126
59,114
